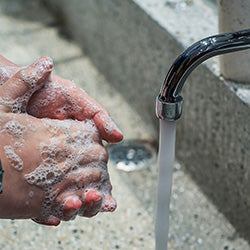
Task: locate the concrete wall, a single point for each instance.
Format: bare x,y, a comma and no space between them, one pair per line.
134,50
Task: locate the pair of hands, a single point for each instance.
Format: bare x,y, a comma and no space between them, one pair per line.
55,168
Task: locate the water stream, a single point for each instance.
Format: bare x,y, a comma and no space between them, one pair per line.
165,162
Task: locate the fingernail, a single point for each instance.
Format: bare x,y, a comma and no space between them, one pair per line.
92,195
109,204
116,128
50,221
72,204
110,126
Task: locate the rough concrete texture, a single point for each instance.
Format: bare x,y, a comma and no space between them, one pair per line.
233,16
133,43
27,32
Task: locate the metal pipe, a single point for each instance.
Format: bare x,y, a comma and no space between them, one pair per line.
169,101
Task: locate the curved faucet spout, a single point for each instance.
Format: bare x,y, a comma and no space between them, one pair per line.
169,101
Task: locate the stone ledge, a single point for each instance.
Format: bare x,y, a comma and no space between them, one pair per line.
133,43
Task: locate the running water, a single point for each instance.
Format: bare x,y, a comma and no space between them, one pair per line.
165,163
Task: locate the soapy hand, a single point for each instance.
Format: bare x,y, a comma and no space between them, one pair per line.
61,99
53,169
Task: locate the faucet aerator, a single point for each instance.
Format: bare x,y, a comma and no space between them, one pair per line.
169,110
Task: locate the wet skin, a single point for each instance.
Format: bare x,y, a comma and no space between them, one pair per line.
83,188
39,105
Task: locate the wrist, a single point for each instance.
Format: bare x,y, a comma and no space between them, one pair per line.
19,199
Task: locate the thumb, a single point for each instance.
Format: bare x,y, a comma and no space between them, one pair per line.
16,92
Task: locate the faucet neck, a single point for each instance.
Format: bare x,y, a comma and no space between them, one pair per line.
188,61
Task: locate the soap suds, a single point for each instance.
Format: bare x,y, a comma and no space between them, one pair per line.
79,138
6,72
57,96
15,128
42,65
58,160
15,161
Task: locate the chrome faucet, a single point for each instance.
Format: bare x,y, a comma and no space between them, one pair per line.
169,101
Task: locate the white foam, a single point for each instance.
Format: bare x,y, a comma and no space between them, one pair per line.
18,145
31,194
15,161
54,91
6,72
15,128
43,64
31,78
79,138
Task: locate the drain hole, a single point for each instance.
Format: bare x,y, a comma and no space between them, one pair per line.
131,155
